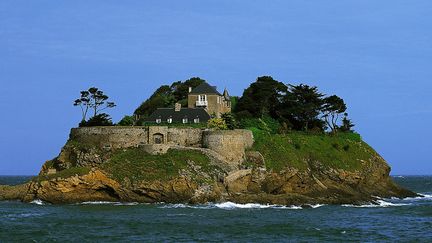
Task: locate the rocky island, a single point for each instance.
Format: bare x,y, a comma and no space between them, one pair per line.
185,155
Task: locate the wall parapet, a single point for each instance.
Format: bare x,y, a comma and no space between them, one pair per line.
110,137
230,144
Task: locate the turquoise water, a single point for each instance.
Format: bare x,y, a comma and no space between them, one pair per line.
389,220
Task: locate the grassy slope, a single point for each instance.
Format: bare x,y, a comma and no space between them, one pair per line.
342,151
63,174
137,165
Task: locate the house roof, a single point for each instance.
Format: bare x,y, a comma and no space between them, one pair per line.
205,88
177,116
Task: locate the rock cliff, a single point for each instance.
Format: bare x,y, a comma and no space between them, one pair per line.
275,170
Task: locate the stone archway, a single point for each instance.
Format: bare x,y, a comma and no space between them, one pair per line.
158,138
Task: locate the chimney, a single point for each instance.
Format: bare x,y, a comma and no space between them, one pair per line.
190,89
177,107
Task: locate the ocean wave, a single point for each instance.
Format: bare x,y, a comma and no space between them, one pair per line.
232,205
38,202
422,197
109,203
21,215
316,205
377,204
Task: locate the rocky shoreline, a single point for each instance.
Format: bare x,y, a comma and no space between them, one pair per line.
242,186
87,171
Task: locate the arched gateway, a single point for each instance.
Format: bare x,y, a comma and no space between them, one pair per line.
158,138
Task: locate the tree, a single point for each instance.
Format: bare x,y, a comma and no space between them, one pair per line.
181,89
126,121
84,103
301,106
347,125
229,120
332,108
161,98
93,99
262,97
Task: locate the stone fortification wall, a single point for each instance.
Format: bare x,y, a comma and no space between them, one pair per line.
230,144
110,137
189,137
126,137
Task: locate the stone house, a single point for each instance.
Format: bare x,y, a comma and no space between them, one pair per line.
204,102
207,97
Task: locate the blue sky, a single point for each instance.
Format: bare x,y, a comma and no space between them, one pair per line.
374,54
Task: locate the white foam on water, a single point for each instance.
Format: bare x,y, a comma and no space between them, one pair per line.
109,203
377,204
38,202
231,205
428,196
316,205
423,197
21,215
177,205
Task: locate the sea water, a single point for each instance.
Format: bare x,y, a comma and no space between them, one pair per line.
386,220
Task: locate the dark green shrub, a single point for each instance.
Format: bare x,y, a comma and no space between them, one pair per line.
126,121
229,120
243,115
336,146
346,147
102,119
297,146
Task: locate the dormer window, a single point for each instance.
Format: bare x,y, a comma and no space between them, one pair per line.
185,120
196,120
169,120
158,120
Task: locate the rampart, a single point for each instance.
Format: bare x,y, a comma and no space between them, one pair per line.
110,137
230,144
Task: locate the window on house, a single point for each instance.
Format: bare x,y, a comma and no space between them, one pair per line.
185,120
158,120
169,120
202,97
196,120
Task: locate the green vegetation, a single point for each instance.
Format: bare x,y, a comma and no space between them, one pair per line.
167,95
126,121
63,174
229,120
85,147
102,119
295,107
217,123
137,165
297,149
